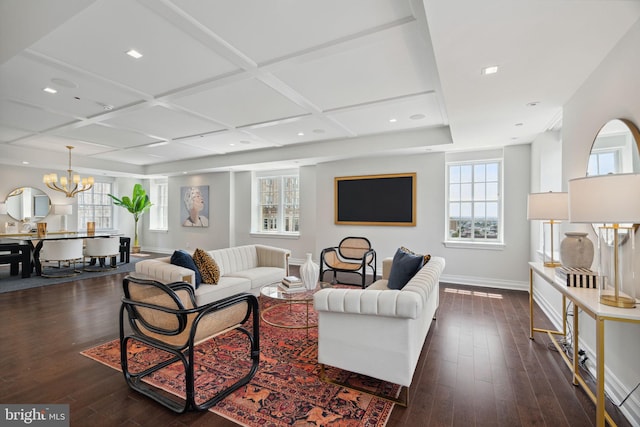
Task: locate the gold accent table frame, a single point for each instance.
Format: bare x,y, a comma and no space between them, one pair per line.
586,300
281,297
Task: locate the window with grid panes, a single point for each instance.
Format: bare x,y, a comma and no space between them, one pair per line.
474,203
95,205
159,211
278,208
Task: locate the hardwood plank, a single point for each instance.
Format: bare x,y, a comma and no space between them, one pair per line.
478,366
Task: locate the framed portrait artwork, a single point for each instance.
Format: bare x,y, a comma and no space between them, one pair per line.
195,206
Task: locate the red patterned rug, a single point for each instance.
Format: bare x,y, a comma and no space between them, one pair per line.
286,389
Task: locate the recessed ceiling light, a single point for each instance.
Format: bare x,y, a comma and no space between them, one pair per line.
393,120
134,54
489,70
24,162
533,103
50,90
232,144
300,133
417,116
519,124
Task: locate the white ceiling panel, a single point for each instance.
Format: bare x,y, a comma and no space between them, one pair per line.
109,28
21,116
384,68
107,136
241,103
227,142
163,122
9,134
413,112
265,30
150,155
24,78
46,143
305,129
280,72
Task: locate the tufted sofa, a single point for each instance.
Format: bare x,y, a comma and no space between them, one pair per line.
378,331
242,269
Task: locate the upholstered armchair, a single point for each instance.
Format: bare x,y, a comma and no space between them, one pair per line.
352,255
167,318
98,249
60,251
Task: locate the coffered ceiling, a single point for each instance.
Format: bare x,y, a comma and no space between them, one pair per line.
277,83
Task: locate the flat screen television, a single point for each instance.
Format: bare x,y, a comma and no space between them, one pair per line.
388,199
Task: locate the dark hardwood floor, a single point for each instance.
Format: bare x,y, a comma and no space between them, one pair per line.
478,366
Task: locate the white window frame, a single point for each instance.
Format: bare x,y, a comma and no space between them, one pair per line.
159,211
105,206
472,241
256,216
596,156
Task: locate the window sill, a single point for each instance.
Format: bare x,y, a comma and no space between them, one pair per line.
474,245
276,235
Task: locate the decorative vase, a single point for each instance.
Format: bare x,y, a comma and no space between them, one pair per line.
576,250
309,271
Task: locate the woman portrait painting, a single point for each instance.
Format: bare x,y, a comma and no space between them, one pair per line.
196,206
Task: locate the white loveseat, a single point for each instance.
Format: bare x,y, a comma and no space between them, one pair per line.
242,269
378,331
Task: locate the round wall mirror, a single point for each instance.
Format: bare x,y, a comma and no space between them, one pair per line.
28,204
616,149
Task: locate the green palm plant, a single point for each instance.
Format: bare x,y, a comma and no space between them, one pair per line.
137,204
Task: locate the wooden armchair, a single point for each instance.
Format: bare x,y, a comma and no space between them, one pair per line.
167,318
352,255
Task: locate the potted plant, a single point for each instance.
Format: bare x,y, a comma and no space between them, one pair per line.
138,204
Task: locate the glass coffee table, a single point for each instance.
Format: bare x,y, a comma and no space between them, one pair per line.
279,298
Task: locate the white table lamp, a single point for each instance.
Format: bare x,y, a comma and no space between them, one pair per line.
611,200
3,208
63,210
552,208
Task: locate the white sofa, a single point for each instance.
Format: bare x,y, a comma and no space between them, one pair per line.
378,331
242,269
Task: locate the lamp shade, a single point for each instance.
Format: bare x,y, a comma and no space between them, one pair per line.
547,206
612,199
62,209
3,208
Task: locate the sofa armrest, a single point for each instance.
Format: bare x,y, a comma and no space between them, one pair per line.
165,272
270,256
389,303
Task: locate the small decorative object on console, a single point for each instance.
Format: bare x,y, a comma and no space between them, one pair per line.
576,250
578,277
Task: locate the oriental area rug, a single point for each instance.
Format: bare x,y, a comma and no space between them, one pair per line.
285,391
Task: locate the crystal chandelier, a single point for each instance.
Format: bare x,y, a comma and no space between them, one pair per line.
71,184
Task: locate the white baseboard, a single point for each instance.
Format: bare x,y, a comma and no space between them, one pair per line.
485,282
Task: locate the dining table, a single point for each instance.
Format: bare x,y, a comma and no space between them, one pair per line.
35,243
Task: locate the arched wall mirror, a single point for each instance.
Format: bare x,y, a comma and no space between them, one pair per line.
28,204
616,149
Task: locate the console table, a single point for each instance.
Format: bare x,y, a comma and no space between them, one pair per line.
588,301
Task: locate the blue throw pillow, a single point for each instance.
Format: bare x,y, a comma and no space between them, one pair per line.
183,259
403,268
